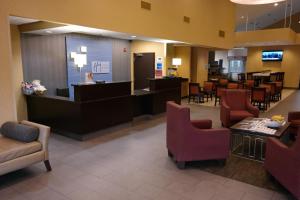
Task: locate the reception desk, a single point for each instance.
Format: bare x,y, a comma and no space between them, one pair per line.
94,107
153,101
99,106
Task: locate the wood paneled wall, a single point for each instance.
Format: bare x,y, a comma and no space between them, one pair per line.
44,58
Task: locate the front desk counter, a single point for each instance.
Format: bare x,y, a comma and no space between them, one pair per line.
153,101
94,107
100,106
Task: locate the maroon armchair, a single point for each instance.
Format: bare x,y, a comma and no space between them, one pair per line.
283,163
190,140
294,118
236,106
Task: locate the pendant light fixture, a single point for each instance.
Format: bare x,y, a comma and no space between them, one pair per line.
255,2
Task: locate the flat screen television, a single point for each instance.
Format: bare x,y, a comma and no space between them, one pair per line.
275,55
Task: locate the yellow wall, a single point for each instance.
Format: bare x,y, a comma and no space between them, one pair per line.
199,61
7,91
165,20
290,64
18,72
138,46
202,61
266,37
183,52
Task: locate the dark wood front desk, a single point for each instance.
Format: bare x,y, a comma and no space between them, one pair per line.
153,102
99,106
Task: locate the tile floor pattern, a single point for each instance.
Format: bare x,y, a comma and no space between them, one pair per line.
128,164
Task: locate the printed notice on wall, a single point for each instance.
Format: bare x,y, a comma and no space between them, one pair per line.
100,67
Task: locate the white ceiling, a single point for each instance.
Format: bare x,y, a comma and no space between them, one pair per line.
261,16
20,20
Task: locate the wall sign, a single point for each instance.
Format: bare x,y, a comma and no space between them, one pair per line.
100,67
159,67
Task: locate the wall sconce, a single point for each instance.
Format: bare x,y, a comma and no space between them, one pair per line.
80,59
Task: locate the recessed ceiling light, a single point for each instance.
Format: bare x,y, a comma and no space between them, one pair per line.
48,31
276,4
299,21
133,36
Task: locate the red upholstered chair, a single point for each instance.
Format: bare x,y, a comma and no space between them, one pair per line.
195,93
208,89
190,140
236,106
283,163
260,98
249,84
232,86
219,92
279,86
294,118
223,82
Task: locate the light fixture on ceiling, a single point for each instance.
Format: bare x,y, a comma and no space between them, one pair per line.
49,32
276,4
133,36
255,2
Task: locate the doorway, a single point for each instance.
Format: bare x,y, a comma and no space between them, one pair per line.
144,68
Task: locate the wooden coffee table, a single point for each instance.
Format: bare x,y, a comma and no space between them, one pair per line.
248,137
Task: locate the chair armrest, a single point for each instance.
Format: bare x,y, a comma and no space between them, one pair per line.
222,134
202,124
252,109
275,143
293,116
277,154
44,133
225,113
225,105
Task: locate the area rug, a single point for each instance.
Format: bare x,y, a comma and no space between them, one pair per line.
241,169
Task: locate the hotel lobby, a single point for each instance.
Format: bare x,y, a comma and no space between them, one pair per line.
150,99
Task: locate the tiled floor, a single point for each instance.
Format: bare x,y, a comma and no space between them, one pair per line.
129,164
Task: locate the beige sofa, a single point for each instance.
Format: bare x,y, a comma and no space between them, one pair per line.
16,155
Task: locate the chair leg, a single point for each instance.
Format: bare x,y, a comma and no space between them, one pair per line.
181,165
47,165
170,154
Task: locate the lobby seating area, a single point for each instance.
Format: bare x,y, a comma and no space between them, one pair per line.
150,100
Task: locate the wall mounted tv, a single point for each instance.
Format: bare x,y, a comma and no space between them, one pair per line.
275,55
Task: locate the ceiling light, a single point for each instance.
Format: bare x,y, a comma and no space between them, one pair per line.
299,21
255,2
48,31
276,4
242,17
133,36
